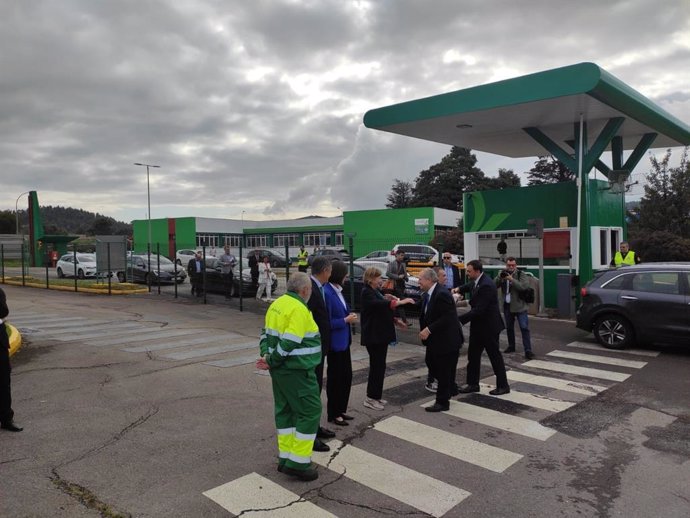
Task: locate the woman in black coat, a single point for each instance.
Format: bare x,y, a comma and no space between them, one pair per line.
378,331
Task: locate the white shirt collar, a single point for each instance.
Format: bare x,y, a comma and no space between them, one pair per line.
316,281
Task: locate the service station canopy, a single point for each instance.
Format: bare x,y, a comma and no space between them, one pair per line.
522,117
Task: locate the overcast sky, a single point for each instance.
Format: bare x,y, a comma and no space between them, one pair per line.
257,105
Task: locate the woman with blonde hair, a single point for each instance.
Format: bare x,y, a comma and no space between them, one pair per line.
378,331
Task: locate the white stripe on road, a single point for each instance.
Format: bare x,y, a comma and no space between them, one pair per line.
258,496
456,446
533,400
210,351
31,321
62,324
415,489
606,360
574,369
555,383
103,327
240,360
596,347
213,339
144,336
499,420
99,334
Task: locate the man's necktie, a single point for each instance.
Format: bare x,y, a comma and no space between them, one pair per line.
323,295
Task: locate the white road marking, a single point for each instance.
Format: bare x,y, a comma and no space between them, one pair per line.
102,327
100,334
213,339
533,400
209,351
415,489
606,360
579,371
255,495
34,320
555,383
596,347
499,420
144,335
456,446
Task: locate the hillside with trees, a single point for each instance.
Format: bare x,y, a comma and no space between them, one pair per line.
66,221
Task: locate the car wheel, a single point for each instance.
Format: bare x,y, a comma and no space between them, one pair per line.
613,332
60,273
179,262
121,276
274,263
80,274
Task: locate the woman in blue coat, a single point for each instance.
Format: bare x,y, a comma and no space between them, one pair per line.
339,370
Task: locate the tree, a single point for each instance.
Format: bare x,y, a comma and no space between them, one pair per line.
8,222
401,195
443,184
666,202
549,170
451,241
102,225
506,178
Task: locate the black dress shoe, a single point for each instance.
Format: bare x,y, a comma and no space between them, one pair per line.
325,433
347,417
468,389
302,474
437,408
509,350
319,445
339,421
11,427
499,391
529,355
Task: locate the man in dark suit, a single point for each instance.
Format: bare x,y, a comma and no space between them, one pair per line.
486,325
195,269
441,334
6,412
453,278
320,272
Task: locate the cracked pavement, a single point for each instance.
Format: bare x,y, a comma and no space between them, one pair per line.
110,433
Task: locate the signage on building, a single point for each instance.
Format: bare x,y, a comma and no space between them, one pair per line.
421,225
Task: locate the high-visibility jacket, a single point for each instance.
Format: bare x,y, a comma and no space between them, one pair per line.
628,260
290,337
302,256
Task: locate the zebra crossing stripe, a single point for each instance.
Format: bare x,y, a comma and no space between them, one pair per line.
209,351
456,446
62,324
499,420
36,320
415,489
633,364
595,347
255,495
98,334
102,327
555,383
532,400
233,362
213,339
144,336
579,371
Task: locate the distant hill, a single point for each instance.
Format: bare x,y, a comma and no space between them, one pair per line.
66,220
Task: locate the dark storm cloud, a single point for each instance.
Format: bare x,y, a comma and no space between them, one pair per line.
257,106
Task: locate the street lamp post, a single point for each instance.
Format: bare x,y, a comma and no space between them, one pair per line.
16,209
148,194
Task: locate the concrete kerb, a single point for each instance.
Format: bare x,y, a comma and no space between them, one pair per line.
99,291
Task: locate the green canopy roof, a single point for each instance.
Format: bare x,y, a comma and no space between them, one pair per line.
493,117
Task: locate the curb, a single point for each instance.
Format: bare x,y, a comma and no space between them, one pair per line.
103,291
15,339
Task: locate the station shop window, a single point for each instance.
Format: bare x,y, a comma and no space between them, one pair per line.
338,239
282,240
234,240
317,239
206,240
524,248
257,241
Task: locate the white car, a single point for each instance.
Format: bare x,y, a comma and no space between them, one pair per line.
423,254
85,266
182,257
377,255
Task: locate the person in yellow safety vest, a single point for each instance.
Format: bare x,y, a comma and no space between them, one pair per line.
290,350
625,257
302,261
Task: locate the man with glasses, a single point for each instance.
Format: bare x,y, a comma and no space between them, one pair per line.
453,279
512,282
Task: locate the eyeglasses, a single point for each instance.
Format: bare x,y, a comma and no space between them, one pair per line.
447,257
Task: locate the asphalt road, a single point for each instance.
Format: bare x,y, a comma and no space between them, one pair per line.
150,406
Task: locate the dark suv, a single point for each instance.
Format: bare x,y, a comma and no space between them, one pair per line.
643,303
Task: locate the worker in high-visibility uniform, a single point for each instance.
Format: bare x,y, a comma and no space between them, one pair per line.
302,259
291,350
625,257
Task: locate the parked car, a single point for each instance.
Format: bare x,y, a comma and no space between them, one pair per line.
417,254
182,257
85,266
366,263
138,270
332,253
216,284
376,255
410,290
643,303
276,259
